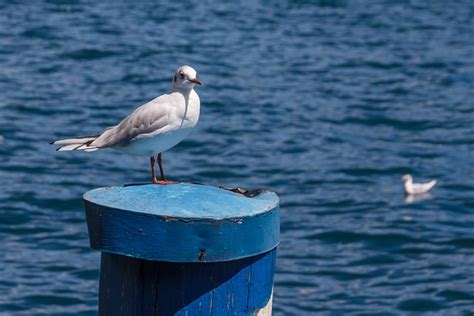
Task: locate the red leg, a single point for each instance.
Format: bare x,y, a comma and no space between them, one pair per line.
162,174
162,178
154,180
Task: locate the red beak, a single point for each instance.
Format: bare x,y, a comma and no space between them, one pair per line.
196,81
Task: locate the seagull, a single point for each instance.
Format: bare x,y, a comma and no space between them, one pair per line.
152,128
416,188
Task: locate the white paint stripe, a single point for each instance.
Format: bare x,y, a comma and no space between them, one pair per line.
267,310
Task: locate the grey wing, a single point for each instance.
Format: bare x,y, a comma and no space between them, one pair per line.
148,118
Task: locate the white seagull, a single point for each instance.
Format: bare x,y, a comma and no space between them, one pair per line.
152,128
416,188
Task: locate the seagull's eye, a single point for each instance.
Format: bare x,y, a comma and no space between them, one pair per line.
181,74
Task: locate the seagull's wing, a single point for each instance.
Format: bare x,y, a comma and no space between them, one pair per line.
148,118
420,188
428,186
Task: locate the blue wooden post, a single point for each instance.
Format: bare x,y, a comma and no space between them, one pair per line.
183,249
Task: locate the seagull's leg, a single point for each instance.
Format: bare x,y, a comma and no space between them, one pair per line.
162,174
154,180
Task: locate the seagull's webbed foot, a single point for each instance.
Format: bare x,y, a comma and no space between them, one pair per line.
163,181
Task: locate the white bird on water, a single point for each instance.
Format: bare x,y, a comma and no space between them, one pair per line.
416,188
152,128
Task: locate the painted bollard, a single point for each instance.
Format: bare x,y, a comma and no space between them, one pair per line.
184,249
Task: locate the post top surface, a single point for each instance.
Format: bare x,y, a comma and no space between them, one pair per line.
182,222
183,201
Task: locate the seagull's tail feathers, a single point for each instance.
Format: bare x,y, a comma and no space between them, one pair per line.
431,184
77,143
425,187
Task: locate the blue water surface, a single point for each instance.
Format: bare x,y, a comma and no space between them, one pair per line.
327,103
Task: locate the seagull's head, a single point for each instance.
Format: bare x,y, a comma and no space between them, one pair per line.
185,78
407,177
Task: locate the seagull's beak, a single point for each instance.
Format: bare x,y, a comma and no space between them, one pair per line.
196,81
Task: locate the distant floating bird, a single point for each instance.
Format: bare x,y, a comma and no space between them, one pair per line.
416,188
1,139
153,127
